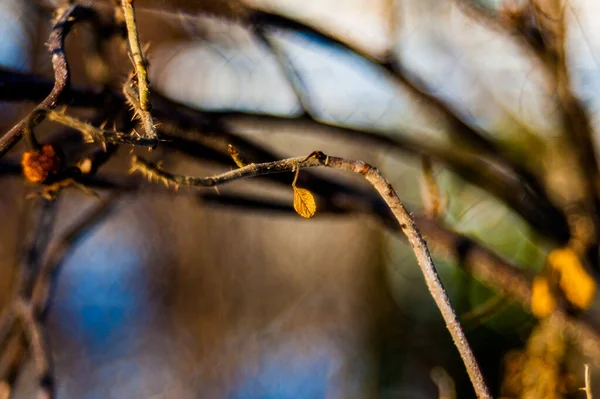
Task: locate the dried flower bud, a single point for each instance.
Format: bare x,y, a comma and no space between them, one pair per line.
39,165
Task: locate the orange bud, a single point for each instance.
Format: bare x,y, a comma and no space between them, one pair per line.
38,165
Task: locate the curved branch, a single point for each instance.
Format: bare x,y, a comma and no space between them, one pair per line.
62,76
388,194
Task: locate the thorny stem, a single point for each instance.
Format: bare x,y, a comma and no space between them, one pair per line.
90,133
142,105
136,53
389,195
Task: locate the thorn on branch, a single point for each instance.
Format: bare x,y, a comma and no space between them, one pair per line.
136,89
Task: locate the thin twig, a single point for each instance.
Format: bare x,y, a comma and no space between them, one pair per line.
62,76
588,382
287,67
387,192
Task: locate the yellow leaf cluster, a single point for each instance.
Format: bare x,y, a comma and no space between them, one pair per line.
578,287
576,283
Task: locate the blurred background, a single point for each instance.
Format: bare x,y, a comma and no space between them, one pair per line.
173,297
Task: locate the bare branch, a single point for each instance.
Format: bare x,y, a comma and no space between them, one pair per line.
387,192
62,77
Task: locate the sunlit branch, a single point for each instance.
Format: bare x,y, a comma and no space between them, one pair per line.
387,193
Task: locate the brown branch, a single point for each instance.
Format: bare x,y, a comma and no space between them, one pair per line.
11,361
62,77
513,186
386,191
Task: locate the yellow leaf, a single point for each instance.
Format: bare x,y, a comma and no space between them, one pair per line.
304,203
575,282
542,301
